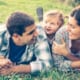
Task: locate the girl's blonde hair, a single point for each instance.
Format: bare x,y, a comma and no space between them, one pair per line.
56,13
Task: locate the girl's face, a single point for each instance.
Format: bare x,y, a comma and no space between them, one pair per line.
50,24
73,29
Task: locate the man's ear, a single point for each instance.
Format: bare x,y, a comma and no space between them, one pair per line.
16,36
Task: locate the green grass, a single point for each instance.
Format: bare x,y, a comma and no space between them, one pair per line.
50,75
29,6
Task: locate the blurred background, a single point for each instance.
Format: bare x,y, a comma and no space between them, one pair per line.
30,6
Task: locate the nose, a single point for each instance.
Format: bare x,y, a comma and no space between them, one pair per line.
35,33
47,25
68,28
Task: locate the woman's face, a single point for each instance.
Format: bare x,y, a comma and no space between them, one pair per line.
73,29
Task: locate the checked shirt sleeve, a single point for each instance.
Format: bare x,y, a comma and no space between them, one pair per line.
42,52
3,42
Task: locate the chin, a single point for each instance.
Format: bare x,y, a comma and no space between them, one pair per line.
50,33
73,38
32,42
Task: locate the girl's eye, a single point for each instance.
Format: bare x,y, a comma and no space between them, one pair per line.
52,23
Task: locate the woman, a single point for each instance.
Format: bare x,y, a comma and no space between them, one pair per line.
66,48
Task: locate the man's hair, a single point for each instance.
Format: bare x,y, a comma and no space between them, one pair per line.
56,13
17,22
76,14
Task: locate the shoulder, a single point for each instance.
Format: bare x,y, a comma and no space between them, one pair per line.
2,27
4,35
62,33
3,30
63,29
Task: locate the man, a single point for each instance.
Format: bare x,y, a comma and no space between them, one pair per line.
23,46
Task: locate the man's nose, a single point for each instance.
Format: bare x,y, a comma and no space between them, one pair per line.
36,33
68,29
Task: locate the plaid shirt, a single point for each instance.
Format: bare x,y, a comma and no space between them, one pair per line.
61,62
40,49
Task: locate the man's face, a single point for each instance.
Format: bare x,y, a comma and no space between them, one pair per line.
73,29
50,24
29,36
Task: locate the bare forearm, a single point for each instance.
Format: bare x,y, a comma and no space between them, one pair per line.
72,57
21,69
75,64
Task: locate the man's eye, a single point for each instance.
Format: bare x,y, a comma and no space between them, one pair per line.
31,32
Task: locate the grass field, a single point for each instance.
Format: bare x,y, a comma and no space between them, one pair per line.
29,6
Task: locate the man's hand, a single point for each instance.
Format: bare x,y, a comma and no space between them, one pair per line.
15,69
5,71
5,62
60,49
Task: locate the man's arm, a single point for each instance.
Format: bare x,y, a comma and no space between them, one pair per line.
21,69
42,63
4,62
44,59
42,53
15,69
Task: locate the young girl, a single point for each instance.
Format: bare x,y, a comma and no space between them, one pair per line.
52,21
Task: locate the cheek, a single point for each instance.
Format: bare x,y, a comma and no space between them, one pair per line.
75,34
28,38
55,28
44,25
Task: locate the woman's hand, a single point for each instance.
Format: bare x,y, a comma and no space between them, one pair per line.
60,49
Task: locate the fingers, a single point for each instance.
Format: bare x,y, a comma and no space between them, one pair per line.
5,63
54,43
54,47
63,42
58,48
5,71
